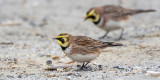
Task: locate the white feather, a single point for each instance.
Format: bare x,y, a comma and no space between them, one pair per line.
111,25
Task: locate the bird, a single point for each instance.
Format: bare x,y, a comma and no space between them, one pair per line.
111,17
82,49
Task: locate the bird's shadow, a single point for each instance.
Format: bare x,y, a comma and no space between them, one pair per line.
89,68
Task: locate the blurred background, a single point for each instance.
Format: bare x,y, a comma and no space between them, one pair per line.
57,16
28,26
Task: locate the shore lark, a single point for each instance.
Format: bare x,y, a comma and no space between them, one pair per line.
81,48
111,17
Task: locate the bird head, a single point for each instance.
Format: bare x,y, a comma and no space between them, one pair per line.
92,16
63,39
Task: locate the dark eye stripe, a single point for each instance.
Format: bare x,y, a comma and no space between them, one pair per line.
61,39
93,17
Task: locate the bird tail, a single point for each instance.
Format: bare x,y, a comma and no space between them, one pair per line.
134,12
143,11
111,44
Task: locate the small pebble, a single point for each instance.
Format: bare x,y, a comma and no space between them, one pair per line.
78,75
32,24
100,67
48,55
60,70
118,68
69,74
55,58
48,62
78,66
42,55
10,76
19,76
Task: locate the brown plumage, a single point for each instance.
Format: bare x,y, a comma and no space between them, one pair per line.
118,11
92,43
110,17
115,11
82,48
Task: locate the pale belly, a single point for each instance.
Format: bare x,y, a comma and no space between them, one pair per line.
114,25
83,58
79,57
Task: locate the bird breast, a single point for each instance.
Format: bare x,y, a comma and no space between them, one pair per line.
83,58
80,57
68,50
114,25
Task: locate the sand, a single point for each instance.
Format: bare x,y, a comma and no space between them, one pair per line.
28,26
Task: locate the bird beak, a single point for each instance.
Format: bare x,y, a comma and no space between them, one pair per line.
85,19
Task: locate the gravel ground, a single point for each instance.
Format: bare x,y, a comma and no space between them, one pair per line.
28,26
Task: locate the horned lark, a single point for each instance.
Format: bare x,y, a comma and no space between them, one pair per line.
111,17
81,48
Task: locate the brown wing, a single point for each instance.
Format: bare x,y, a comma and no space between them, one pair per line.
92,43
86,41
115,11
84,50
84,45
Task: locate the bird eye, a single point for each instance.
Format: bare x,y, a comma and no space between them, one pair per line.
62,40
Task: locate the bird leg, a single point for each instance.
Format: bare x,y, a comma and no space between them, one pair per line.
104,35
121,33
86,64
83,65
